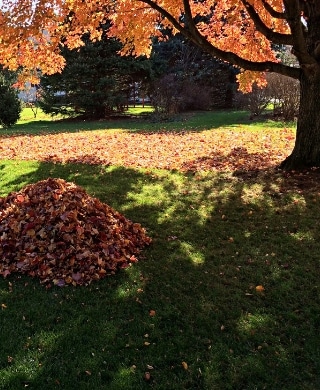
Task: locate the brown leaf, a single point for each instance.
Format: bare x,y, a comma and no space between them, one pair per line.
185,365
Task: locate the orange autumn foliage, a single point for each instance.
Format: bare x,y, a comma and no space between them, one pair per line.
238,31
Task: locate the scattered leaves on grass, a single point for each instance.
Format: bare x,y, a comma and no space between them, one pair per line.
218,149
259,288
55,231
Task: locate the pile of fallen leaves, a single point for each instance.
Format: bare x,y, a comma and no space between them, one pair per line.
55,231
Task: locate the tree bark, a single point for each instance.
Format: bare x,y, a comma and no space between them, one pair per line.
306,152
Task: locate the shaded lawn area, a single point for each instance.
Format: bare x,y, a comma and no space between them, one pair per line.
188,312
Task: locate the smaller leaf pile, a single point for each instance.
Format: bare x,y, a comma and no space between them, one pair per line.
55,231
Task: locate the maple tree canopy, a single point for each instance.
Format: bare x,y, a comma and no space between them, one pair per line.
241,32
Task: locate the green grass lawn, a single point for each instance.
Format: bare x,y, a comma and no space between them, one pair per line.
216,237
202,120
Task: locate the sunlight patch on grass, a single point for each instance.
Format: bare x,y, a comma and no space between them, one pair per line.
147,194
249,324
124,292
47,339
27,115
252,194
26,366
247,234
4,293
122,378
196,257
140,110
11,170
303,236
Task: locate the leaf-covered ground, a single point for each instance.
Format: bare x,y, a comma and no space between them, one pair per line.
55,231
226,298
219,149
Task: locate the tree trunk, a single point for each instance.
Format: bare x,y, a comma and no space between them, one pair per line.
306,152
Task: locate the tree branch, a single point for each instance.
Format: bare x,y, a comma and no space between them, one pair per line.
284,39
300,49
272,12
192,33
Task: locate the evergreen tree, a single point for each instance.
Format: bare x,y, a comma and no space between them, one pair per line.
10,107
95,82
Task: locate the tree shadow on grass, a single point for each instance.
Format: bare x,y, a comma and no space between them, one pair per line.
215,238
197,121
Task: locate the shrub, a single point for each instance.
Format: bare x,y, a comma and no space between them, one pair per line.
282,91
255,102
285,94
10,106
172,95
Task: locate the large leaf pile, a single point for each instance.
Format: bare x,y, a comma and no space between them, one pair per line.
54,230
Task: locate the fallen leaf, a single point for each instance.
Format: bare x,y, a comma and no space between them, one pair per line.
152,313
5,273
185,365
20,198
259,288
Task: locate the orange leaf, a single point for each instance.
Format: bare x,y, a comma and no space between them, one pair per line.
20,198
185,365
